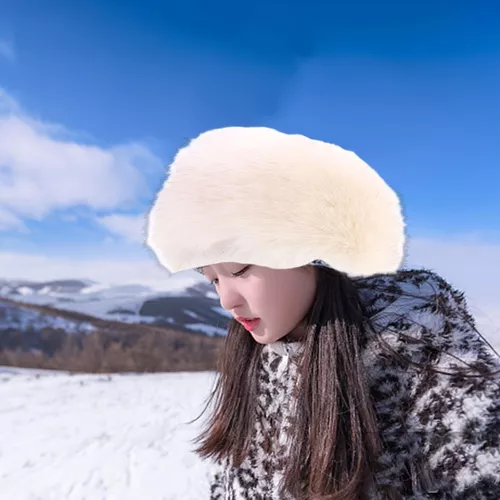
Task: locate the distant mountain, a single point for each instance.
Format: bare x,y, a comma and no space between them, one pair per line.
26,327
189,306
40,336
43,288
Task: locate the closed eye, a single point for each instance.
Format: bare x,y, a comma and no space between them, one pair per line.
236,274
239,273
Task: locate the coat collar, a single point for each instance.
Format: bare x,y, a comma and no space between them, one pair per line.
285,348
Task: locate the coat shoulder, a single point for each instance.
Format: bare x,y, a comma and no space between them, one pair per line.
420,304
433,415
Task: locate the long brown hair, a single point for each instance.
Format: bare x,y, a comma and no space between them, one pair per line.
336,440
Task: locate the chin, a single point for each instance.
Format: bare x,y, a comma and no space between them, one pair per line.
263,339
260,340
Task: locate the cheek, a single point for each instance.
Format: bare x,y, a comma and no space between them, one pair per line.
286,303
266,302
297,298
265,299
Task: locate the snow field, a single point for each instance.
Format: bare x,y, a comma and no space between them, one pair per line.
100,437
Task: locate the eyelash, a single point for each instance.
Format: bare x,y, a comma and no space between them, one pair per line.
239,273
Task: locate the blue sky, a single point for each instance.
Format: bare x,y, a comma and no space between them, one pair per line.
95,97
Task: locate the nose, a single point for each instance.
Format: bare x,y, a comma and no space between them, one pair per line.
229,297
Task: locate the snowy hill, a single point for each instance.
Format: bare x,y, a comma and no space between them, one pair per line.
23,319
188,304
43,288
82,325
35,336
89,437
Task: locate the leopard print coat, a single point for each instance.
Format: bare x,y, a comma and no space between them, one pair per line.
440,432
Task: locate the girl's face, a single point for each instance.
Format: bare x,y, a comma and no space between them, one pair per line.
278,298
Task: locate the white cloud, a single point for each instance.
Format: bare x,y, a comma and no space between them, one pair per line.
130,227
7,50
41,170
8,220
7,103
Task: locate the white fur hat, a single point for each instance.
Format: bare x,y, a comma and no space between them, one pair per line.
259,196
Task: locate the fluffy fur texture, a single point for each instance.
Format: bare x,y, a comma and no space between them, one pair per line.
441,432
277,200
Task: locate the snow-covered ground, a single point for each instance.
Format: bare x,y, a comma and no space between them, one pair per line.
94,437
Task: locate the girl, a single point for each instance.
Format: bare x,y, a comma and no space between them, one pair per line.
343,376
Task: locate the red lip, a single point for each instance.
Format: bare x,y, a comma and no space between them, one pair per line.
249,324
